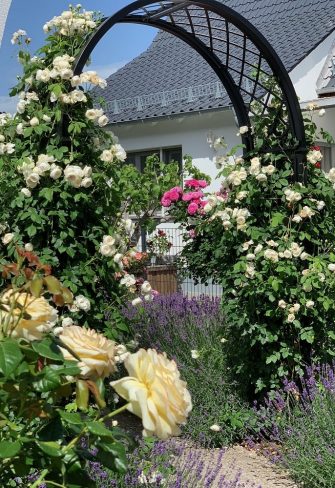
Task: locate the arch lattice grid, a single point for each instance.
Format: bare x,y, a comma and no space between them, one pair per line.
242,58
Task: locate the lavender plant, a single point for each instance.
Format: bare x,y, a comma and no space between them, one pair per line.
300,420
191,331
172,465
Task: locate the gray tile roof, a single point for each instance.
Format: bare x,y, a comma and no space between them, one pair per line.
168,68
326,81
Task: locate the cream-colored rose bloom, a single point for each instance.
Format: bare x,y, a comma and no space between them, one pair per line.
96,353
31,318
155,392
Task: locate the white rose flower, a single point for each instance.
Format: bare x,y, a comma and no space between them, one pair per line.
258,248
107,250
103,120
67,322
106,156
46,118
287,254
73,175
33,179
250,257
243,130
20,129
137,301
34,122
119,152
296,249
87,171
331,267
86,182
28,247
208,208
128,280
146,287
320,205
270,169
282,304
291,317
309,304
304,256
110,240
195,354
148,297
118,258
21,106
271,255
7,238
261,177
82,303
297,219
215,428
26,192
56,172
321,277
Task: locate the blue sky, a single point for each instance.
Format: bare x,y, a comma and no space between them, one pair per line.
119,46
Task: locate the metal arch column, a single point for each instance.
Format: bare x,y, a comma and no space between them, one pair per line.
139,12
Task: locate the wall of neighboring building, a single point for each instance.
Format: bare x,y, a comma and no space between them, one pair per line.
188,131
305,75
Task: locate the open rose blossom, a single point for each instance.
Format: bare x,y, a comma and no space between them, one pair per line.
155,393
96,353
28,317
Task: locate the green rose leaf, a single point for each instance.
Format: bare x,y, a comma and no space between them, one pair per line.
98,428
10,356
9,449
50,448
47,349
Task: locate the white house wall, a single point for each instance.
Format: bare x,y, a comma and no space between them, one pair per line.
189,131
305,75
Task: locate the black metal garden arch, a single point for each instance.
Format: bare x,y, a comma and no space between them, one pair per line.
238,53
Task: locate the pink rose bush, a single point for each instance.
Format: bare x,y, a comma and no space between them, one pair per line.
193,196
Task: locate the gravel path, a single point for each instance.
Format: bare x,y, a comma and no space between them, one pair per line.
238,467
238,463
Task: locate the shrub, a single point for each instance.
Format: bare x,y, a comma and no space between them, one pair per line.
299,419
268,240
190,331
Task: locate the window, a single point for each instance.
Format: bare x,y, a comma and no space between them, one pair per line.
328,153
167,155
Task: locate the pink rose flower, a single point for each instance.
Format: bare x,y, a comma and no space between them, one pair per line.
166,202
187,197
202,183
192,208
192,233
173,195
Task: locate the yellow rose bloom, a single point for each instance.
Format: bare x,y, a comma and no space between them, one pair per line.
96,353
27,317
156,393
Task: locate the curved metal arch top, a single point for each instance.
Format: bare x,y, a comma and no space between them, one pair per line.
239,54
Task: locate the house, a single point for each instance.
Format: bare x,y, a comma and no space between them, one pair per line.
169,101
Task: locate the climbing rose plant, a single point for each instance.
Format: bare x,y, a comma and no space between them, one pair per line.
65,187
268,240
